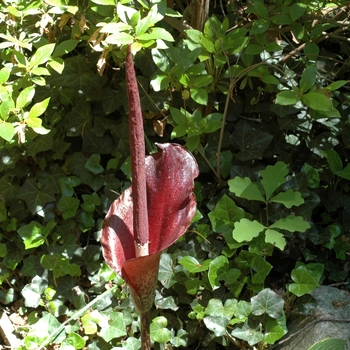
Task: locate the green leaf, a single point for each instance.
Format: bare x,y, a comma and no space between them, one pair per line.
251,143
275,238
32,292
224,215
260,9
159,332
67,185
317,101
246,230
334,161
260,26
273,177
40,333
115,327
286,98
59,266
336,85
34,234
216,324
74,340
297,10
7,131
252,336
199,95
244,188
38,109
311,50
288,199
93,164
65,47
3,250
41,55
68,206
36,195
329,344
5,74
292,224
216,268
267,302
25,97
308,78
306,278
193,265
202,81
261,268
274,329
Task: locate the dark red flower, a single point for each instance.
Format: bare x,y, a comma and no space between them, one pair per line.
171,205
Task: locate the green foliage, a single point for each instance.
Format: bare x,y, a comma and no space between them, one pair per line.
272,178
258,93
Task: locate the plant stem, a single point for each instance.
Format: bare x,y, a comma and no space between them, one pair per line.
145,331
137,155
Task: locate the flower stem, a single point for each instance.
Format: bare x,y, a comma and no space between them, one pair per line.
145,331
137,155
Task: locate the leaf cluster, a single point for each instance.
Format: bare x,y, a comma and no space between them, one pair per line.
258,93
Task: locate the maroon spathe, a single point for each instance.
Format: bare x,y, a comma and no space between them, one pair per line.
171,205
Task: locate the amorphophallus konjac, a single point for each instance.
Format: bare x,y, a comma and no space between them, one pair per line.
151,214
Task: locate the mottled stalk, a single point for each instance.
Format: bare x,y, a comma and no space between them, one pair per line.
137,155
145,331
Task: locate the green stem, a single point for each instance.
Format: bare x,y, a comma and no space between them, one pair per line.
145,331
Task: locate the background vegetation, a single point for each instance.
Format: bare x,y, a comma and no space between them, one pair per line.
258,92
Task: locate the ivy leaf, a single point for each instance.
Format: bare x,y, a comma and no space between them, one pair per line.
193,265
74,341
32,292
275,329
159,333
225,214
252,336
306,278
246,230
216,324
68,206
273,176
244,188
291,223
35,195
267,302
59,266
251,143
93,164
34,234
67,185
90,321
216,268
40,332
288,198
115,327
261,268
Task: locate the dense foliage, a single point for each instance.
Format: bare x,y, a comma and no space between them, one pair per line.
257,91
